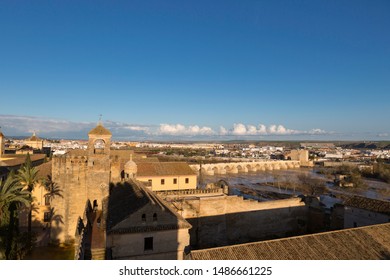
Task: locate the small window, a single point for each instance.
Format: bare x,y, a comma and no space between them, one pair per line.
154,217
162,181
143,217
47,200
46,217
175,181
150,181
148,244
187,180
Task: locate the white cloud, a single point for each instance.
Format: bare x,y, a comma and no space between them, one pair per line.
223,131
383,135
315,131
239,129
179,129
136,128
262,129
23,125
252,130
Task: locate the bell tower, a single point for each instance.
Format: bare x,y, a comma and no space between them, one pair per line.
2,144
98,174
99,141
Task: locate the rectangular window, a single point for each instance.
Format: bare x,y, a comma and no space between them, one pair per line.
46,217
162,181
148,244
187,180
47,200
175,181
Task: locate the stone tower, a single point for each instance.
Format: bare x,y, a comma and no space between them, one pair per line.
82,175
98,174
2,140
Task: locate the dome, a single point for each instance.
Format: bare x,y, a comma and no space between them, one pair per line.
130,167
34,137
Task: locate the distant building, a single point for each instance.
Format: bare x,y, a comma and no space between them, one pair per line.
163,176
302,156
362,211
34,142
343,180
333,156
318,145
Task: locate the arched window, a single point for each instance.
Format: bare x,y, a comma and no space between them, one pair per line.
98,146
95,205
143,217
154,217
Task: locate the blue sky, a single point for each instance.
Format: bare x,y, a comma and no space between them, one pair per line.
259,69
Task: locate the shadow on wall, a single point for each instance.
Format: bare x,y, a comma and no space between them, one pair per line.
244,227
141,226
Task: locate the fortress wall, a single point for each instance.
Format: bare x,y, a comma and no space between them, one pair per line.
228,220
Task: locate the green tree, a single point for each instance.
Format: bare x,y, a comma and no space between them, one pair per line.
11,193
311,185
27,177
12,197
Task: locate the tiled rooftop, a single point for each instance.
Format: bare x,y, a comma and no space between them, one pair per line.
365,243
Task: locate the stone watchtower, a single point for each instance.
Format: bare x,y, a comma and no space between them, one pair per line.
98,174
2,140
82,176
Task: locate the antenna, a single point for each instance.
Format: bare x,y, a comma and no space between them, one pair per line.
100,119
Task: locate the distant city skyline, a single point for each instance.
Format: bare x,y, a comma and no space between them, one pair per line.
19,126
199,70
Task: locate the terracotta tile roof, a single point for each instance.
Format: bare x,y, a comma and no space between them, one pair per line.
163,169
100,130
15,160
148,159
374,205
365,243
44,170
128,198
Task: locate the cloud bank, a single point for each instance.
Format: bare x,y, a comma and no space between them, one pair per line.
54,128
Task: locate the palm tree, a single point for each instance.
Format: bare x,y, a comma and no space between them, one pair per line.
11,192
27,177
12,196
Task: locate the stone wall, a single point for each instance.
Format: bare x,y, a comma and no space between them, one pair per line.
167,245
227,220
355,217
80,179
